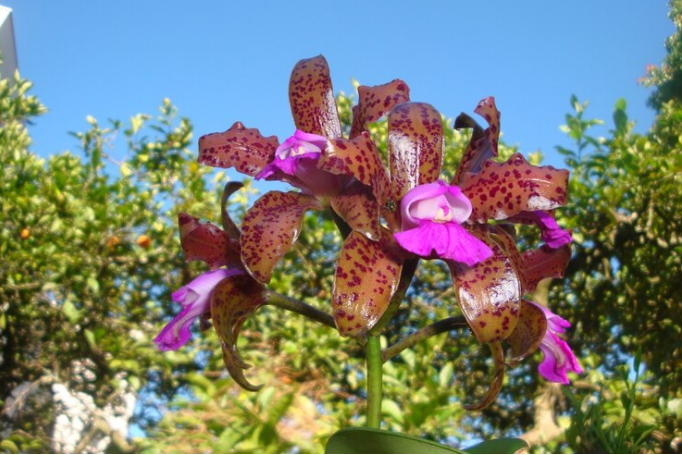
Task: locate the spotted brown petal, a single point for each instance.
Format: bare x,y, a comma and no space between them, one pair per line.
270,228
242,148
544,262
233,301
312,98
502,190
208,243
483,144
415,146
359,209
489,292
376,101
498,378
357,158
528,333
367,274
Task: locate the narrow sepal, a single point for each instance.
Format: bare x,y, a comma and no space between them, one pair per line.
483,143
233,301
502,190
311,96
229,225
415,146
545,262
208,243
528,333
367,274
498,378
376,101
242,148
270,228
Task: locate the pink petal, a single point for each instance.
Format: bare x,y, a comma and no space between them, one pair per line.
558,359
318,141
464,247
414,207
287,165
195,298
444,240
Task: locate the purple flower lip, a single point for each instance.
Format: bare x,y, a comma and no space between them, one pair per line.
437,202
289,154
431,224
559,359
551,233
195,298
297,159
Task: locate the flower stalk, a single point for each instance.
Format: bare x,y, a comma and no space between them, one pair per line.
374,381
296,306
434,329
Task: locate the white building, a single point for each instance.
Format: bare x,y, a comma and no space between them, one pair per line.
7,46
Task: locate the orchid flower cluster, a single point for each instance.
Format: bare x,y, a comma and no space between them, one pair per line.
390,217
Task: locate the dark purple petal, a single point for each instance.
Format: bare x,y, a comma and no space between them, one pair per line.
244,149
415,146
195,298
367,274
529,331
502,190
558,358
208,243
376,101
311,96
233,301
489,292
498,378
544,262
483,144
288,165
270,228
358,158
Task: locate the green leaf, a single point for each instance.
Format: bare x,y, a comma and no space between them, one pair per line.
90,336
8,446
445,374
126,170
370,440
391,408
71,312
502,445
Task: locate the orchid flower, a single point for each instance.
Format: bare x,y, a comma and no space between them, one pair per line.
272,225
227,295
432,217
345,174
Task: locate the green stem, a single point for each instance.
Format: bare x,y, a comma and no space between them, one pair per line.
296,306
374,382
444,325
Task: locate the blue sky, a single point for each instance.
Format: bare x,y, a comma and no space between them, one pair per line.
225,61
